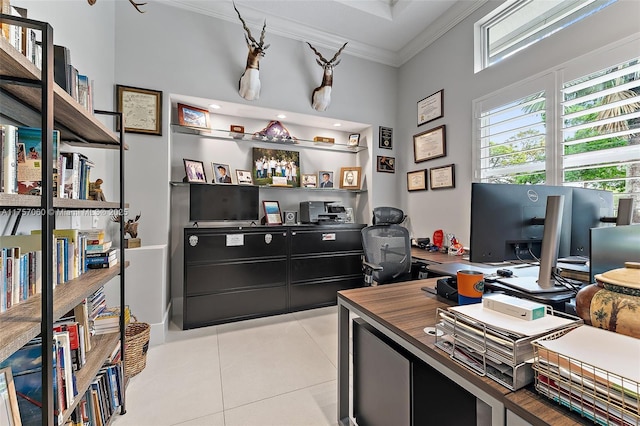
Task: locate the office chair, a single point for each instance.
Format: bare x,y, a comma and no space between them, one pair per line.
387,248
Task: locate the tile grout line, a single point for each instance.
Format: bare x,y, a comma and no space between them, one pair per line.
224,417
317,344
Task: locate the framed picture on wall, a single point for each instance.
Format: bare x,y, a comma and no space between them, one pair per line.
430,108
350,177
193,116
386,164
385,137
195,171
429,144
442,177
417,180
141,109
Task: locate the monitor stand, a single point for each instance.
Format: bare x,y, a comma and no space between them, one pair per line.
530,285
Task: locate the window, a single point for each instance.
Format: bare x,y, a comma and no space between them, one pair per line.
520,23
596,146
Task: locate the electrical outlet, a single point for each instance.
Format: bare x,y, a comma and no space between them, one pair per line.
94,221
75,222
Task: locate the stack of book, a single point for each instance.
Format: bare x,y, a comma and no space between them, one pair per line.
98,252
108,321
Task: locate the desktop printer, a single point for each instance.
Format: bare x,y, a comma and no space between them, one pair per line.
322,212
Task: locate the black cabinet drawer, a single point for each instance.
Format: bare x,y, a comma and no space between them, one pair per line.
325,240
234,245
214,309
326,266
211,278
311,295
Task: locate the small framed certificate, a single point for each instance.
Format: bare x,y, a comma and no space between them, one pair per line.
442,177
430,144
430,108
417,180
385,137
141,109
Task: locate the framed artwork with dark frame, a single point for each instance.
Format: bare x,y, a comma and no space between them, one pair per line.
442,177
417,180
430,144
221,173
193,116
141,109
385,137
350,177
9,412
430,108
195,171
272,214
386,164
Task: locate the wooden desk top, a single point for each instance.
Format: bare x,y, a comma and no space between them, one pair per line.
406,310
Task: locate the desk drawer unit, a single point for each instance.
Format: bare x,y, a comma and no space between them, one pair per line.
323,262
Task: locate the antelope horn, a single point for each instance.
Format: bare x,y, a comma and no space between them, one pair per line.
244,25
264,26
338,53
318,53
136,5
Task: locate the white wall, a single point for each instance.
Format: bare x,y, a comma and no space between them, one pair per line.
448,64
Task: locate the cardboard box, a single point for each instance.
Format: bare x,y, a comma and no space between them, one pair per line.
515,307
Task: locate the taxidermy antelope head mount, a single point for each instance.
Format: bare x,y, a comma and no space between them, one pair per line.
249,84
321,96
136,5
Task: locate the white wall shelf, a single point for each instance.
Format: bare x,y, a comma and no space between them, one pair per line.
282,188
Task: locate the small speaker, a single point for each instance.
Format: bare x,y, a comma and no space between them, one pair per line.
290,218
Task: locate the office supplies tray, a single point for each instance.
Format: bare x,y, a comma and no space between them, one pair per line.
489,350
599,394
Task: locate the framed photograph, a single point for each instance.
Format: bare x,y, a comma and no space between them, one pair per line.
350,177
272,213
354,139
442,177
386,164
309,181
430,144
276,167
385,138
325,177
193,116
141,109
417,180
430,108
244,177
221,173
9,413
195,171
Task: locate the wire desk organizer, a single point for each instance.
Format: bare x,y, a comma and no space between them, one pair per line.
595,393
490,351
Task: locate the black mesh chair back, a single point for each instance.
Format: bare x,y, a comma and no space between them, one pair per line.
387,215
388,247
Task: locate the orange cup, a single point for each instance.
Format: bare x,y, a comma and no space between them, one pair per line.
470,287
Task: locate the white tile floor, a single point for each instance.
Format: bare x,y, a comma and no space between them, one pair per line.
278,371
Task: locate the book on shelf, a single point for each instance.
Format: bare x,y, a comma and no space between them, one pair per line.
20,269
29,161
108,320
9,156
94,236
98,248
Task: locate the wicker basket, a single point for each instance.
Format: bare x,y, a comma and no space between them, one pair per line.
136,346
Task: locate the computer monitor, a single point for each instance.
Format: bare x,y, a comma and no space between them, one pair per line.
589,207
613,246
223,202
506,216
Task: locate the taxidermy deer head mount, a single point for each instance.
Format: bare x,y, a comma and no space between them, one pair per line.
321,96
136,5
130,226
249,84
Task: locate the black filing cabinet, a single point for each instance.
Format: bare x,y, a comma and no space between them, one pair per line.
235,273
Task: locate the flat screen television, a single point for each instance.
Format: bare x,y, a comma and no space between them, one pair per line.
507,220
223,202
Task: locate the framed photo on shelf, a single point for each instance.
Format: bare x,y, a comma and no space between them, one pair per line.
386,164
354,139
272,213
417,180
195,171
309,181
350,177
429,144
9,412
244,177
193,116
430,108
277,167
325,177
141,109
221,173
442,177
385,137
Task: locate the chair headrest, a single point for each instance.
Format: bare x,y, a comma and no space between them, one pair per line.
387,215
